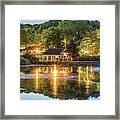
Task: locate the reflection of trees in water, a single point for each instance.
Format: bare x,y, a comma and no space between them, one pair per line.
30,86
66,90
74,91
85,83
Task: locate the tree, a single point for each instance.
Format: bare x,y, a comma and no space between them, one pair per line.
80,28
67,31
81,37
52,37
72,47
23,37
93,25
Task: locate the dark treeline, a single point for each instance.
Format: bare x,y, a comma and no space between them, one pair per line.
80,37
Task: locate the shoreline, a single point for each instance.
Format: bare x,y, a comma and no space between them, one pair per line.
64,63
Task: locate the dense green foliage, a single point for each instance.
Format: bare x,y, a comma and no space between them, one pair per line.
81,37
24,61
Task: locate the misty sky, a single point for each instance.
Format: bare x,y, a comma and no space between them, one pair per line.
32,21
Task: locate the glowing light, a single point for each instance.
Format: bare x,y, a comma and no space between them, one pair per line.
86,52
36,79
87,71
37,50
88,81
55,71
91,73
55,86
64,73
79,70
91,76
56,56
39,70
55,81
36,73
65,54
87,68
71,69
91,69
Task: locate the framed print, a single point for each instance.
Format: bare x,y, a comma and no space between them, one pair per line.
60,60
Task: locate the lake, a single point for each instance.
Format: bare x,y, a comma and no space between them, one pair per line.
59,82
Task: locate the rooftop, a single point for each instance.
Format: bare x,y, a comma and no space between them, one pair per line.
54,51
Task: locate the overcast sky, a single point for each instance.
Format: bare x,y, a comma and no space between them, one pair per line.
32,21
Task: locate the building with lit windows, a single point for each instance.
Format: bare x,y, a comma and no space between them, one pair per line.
56,54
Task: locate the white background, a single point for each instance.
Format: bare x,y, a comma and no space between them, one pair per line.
106,15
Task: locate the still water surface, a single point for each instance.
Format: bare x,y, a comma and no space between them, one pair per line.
47,82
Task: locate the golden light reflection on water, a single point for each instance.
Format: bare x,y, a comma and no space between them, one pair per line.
88,83
55,70
87,71
88,80
36,74
55,86
86,74
91,69
36,79
91,74
79,75
55,81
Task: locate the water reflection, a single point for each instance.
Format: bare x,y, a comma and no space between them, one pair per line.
36,80
55,81
61,82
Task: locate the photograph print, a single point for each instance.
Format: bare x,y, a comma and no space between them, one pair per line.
60,60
